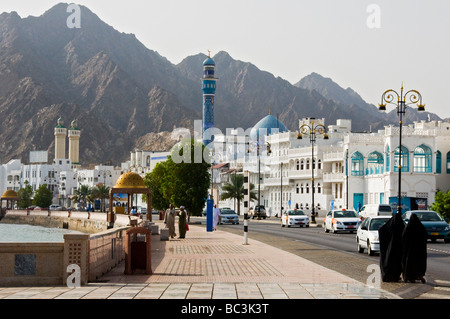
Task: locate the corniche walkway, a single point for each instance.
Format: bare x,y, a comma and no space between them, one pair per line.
213,265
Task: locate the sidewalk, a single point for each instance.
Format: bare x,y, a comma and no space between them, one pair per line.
214,265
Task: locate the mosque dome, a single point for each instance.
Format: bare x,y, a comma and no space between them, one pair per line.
267,126
130,180
209,61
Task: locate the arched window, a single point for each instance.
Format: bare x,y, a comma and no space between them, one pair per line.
404,161
297,163
307,188
307,164
357,164
375,163
422,159
448,163
438,162
301,188
388,159
297,189
319,189
319,164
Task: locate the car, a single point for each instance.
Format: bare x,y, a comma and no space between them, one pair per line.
142,210
294,217
229,216
376,210
259,211
436,226
367,234
341,220
55,207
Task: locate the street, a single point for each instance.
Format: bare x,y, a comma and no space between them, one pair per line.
338,252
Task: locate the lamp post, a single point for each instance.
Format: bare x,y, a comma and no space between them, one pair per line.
388,97
258,146
313,131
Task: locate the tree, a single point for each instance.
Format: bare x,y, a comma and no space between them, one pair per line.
188,181
441,204
81,195
43,197
235,190
25,194
154,181
100,192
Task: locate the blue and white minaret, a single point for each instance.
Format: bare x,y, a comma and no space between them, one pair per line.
209,91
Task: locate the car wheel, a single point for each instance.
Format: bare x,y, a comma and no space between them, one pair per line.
325,227
359,248
334,230
447,240
370,252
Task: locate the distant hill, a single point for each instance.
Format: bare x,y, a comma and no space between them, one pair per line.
123,94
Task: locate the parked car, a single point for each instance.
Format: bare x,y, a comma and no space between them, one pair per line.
142,210
259,211
341,220
229,216
294,217
436,226
375,210
367,234
55,207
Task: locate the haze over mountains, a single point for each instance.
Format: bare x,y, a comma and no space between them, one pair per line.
125,95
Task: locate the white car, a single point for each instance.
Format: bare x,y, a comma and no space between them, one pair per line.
341,220
294,218
367,234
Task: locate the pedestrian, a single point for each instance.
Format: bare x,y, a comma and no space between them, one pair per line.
390,237
414,249
182,217
133,211
216,216
169,220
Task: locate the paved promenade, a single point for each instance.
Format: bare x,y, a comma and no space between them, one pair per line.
214,265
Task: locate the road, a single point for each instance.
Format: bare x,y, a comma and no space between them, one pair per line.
338,252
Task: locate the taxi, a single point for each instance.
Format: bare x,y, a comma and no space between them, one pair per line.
338,220
294,217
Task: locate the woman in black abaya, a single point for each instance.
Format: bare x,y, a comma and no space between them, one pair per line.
390,235
414,247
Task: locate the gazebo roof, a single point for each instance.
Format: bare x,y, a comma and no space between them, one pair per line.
130,180
10,194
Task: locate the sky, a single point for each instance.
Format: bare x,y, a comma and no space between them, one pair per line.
371,46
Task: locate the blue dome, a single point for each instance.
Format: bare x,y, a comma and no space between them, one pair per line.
209,61
267,126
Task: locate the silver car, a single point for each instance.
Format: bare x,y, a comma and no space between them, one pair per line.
229,216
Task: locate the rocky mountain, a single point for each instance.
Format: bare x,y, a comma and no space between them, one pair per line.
124,95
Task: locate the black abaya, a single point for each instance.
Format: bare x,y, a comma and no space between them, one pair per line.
414,246
390,235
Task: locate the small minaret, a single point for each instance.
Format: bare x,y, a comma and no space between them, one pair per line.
60,140
74,144
209,92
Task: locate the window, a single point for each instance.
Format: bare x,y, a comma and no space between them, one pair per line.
404,162
297,189
302,165
375,163
448,163
319,189
298,165
438,162
388,159
357,164
422,159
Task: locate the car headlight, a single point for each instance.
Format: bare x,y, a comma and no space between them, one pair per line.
374,237
447,228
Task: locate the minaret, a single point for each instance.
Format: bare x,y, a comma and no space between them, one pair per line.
60,140
209,92
74,144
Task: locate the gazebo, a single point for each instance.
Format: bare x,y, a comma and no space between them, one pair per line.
130,184
10,196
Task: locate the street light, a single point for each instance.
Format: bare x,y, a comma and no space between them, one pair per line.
388,97
258,146
313,130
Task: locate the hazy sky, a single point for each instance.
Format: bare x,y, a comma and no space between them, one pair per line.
293,38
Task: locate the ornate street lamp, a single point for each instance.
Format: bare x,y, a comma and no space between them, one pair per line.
313,131
413,97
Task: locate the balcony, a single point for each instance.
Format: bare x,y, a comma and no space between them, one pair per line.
333,177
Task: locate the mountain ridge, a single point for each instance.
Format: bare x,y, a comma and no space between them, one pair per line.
124,95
